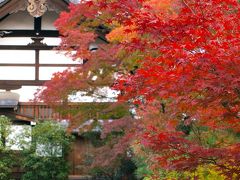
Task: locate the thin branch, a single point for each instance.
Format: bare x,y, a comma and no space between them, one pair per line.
186,4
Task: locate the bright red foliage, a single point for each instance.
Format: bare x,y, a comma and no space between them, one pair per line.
188,60
175,153
198,62
196,67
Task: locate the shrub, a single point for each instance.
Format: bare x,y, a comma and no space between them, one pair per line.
7,158
46,157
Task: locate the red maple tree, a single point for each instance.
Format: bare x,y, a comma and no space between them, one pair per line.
178,61
195,67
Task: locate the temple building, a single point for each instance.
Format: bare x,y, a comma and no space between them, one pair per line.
27,60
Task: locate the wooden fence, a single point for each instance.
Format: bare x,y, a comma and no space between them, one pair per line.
40,111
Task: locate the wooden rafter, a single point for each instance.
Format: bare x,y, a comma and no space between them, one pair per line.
21,47
40,65
37,32
37,36
37,24
10,7
17,84
28,33
61,4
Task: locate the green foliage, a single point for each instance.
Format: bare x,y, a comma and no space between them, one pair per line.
165,174
207,172
94,138
130,60
124,171
116,112
142,167
7,159
96,111
101,172
5,124
186,129
212,138
46,158
143,170
85,110
7,162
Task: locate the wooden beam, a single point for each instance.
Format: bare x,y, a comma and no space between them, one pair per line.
9,7
29,33
36,64
12,5
61,5
21,83
22,47
40,65
17,84
4,17
37,25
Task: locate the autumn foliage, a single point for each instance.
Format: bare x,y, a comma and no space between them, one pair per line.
178,62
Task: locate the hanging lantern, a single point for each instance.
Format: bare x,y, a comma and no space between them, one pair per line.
37,8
